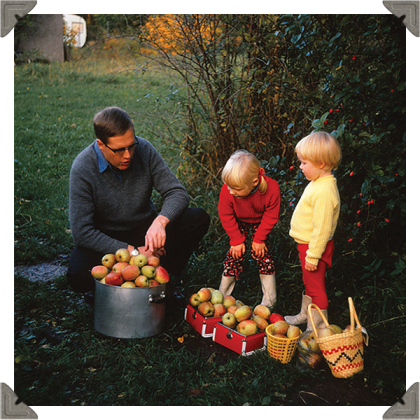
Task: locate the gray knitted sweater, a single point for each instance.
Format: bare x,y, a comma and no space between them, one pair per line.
100,201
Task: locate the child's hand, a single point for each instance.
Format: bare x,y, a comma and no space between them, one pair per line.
259,249
310,267
237,251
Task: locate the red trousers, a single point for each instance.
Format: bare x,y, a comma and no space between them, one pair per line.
314,281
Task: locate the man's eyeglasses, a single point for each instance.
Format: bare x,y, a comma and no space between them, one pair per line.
122,150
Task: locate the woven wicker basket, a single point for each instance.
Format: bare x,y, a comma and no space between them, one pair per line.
343,352
280,348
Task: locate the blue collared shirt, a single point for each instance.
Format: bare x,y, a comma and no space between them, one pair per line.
104,164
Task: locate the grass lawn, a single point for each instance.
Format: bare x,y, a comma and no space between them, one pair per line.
61,360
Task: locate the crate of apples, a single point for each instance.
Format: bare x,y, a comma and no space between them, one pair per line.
122,269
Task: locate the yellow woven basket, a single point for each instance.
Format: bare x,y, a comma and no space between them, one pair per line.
281,348
343,352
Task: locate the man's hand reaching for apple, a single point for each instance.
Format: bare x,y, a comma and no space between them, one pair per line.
156,236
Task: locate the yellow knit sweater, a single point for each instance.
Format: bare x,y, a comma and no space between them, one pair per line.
315,217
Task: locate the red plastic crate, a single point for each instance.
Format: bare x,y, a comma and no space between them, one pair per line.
239,343
201,324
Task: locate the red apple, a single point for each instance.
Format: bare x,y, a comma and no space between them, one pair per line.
119,266
263,311
247,327
275,317
204,294
232,309
153,261
279,327
130,273
219,309
99,272
206,309
229,301
261,322
153,283
141,281
114,279
161,275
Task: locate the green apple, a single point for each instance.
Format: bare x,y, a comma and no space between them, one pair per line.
108,260
229,320
148,271
217,297
140,260
123,255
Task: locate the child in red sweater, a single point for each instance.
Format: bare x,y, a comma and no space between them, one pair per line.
249,202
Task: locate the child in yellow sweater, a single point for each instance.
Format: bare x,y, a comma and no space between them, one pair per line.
315,219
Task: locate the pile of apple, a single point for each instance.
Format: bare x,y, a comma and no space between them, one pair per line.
309,352
235,314
122,269
282,329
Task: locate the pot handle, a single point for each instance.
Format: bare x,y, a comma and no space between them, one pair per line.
159,299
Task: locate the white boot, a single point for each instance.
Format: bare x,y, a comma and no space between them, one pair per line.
268,285
318,321
302,316
226,285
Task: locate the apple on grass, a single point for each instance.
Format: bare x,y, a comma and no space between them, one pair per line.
108,260
99,272
229,320
123,255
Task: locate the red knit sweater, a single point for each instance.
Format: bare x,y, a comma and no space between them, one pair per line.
255,208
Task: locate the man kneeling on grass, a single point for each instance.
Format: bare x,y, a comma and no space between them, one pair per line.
111,183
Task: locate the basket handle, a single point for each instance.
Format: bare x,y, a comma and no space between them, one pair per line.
353,317
312,305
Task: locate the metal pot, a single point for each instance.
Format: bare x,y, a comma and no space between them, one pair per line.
129,312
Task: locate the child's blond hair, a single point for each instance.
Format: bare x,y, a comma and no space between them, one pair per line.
320,147
241,169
